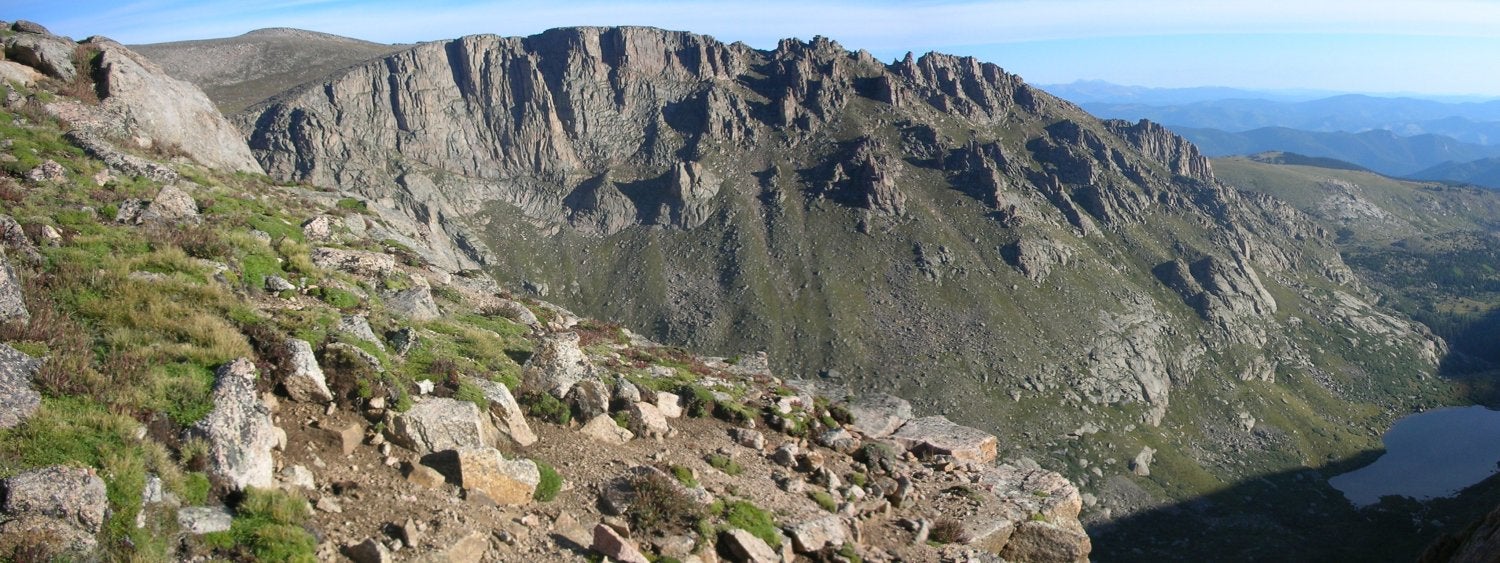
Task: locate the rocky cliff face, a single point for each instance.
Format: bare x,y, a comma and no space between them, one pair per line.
932,225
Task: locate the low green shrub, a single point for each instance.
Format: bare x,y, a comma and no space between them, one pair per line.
551,482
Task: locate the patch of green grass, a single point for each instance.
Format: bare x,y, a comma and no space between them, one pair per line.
195,488
352,204
545,407
268,527
338,298
684,475
697,401
472,393
726,464
64,430
824,500
183,391
550,484
750,518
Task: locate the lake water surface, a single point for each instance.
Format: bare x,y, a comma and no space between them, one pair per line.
1429,455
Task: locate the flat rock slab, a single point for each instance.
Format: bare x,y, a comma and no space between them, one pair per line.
936,435
353,261
604,429
71,495
813,535
504,481
879,415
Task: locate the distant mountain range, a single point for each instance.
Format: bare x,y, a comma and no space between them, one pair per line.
1378,150
1432,138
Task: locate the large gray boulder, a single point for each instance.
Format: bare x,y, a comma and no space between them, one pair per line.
359,327
18,399
557,365
304,380
166,111
415,304
589,398
238,430
936,435
878,415
55,512
811,536
439,424
170,206
48,54
505,412
12,302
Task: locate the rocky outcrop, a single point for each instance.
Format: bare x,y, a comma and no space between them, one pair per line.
878,415
1155,141
165,111
506,412
936,435
353,261
239,431
1035,258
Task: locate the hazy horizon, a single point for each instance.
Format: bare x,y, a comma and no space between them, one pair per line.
1377,47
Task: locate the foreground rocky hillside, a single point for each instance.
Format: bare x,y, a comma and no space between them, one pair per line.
1090,291
198,362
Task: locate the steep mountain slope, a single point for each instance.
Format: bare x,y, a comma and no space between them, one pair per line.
1087,289
239,71
1483,172
1378,150
1429,249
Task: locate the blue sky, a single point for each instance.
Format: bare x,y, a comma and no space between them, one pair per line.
1429,46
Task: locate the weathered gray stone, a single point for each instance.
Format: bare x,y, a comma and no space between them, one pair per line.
424,476
1141,464
369,551
879,415
1047,542
298,477
838,439
468,549
752,439
557,365
588,398
506,412
512,310
199,520
504,481
670,404
353,353
238,430
414,304
28,26
647,421
170,206
604,429
48,54
318,228
304,380
71,495
813,535
18,399
12,302
936,435
278,284
625,392
353,261
358,327
13,236
438,424
748,548
612,545
149,104
402,340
